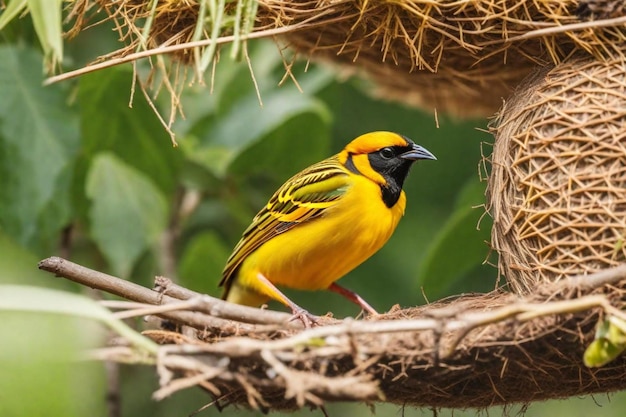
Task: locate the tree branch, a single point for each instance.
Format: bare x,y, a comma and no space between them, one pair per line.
209,312
472,351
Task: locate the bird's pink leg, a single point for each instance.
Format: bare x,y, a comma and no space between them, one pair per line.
298,312
354,297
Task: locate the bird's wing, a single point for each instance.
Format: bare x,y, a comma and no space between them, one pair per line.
302,198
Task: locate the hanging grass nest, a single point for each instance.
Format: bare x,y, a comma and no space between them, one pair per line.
460,57
557,190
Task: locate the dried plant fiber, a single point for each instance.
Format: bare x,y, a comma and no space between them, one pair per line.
557,190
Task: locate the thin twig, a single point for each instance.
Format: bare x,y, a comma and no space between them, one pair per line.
319,336
522,312
553,30
149,310
188,45
449,319
113,398
220,308
217,309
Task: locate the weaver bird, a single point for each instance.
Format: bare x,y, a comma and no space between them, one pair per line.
322,223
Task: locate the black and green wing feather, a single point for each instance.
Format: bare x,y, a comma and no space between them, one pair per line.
302,198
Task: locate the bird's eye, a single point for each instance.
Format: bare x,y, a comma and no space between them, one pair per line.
387,153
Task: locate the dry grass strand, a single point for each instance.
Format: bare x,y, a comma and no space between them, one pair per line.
458,57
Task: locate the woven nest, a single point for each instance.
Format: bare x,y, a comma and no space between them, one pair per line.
456,56
460,57
557,191
474,350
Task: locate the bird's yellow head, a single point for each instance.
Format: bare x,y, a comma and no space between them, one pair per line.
374,141
385,158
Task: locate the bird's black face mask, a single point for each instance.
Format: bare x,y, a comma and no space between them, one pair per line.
394,163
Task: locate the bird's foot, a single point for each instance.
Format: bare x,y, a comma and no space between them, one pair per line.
307,319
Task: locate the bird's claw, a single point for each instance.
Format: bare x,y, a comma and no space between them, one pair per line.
307,319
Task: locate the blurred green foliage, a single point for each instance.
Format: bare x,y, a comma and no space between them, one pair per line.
84,175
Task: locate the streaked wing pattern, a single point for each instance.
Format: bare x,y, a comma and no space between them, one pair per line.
302,198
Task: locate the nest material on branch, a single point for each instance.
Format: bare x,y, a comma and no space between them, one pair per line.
557,191
455,56
460,57
470,351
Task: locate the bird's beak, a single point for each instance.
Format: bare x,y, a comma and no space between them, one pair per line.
416,153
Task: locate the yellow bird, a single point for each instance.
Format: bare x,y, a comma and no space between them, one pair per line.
322,223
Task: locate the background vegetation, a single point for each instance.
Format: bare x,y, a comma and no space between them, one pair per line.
85,176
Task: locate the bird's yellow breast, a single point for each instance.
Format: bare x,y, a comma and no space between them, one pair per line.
314,254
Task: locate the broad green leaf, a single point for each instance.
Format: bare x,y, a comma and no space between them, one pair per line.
46,15
459,247
42,300
44,332
58,212
213,159
13,8
246,124
234,80
17,265
225,86
40,374
233,120
128,213
202,262
39,139
289,148
134,134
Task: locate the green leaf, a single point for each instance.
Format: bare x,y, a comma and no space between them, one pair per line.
39,139
609,343
459,240
17,266
134,134
40,374
46,15
600,352
232,120
14,8
232,81
202,262
247,124
290,147
43,300
617,331
128,213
